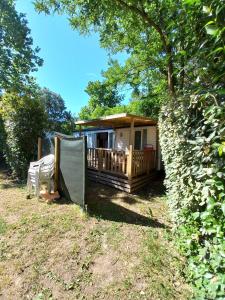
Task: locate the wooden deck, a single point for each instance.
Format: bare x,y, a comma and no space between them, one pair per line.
125,171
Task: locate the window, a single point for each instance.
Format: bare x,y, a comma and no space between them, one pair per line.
111,140
137,140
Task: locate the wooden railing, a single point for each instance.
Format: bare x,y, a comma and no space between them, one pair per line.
117,161
143,162
114,161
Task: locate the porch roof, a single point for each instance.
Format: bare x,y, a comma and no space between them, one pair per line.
118,120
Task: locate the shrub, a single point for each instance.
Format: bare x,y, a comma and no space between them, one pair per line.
24,120
192,134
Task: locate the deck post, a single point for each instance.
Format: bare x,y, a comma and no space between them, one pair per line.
80,130
57,157
39,148
131,140
156,159
130,162
147,160
100,160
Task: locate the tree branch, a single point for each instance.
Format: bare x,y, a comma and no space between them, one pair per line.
146,18
163,36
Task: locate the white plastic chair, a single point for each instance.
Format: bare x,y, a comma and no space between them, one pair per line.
40,171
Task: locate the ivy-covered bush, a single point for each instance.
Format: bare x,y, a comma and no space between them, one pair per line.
2,139
192,135
24,119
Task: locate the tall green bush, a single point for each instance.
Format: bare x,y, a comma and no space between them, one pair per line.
2,139
24,120
192,135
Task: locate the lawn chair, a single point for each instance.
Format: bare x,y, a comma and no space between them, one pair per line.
40,171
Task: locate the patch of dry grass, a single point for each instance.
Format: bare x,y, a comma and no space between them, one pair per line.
118,250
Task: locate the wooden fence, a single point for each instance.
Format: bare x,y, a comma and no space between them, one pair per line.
143,162
118,162
113,161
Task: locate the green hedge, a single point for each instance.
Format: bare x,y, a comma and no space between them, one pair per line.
192,135
24,119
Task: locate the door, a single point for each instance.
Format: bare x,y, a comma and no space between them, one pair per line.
102,140
137,140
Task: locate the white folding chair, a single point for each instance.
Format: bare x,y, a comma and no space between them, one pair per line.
39,172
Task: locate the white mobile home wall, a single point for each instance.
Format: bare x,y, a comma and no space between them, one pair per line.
122,137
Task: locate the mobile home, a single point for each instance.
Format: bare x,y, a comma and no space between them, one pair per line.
123,150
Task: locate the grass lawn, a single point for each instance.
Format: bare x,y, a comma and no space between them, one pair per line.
121,249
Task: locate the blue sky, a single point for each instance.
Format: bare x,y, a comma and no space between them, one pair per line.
70,60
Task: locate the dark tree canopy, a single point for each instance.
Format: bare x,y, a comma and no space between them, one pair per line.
24,119
17,56
102,94
59,119
103,97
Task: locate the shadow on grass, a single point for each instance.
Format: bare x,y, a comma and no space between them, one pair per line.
4,186
101,201
100,204
7,181
154,189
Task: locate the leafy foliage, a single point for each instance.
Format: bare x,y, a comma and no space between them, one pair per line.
102,94
24,120
195,168
59,119
103,98
138,27
192,134
17,58
2,138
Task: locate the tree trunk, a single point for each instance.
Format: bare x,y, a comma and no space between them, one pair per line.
164,39
170,75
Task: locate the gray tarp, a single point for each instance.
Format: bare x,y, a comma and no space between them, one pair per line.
73,169
72,181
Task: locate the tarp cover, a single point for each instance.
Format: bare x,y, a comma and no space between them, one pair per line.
73,169
72,181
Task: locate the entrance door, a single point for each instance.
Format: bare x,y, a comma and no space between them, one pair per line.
102,140
137,140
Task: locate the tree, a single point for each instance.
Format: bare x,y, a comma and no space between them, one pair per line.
103,96
17,57
123,25
146,99
24,120
59,119
163,35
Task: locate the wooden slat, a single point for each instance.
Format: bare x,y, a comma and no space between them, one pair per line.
109,174
114,182
130,162
135,164
57,159
39,148
106,179
119,183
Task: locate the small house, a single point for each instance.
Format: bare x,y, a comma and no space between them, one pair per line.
122,150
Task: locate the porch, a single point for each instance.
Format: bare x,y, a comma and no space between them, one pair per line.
125,169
